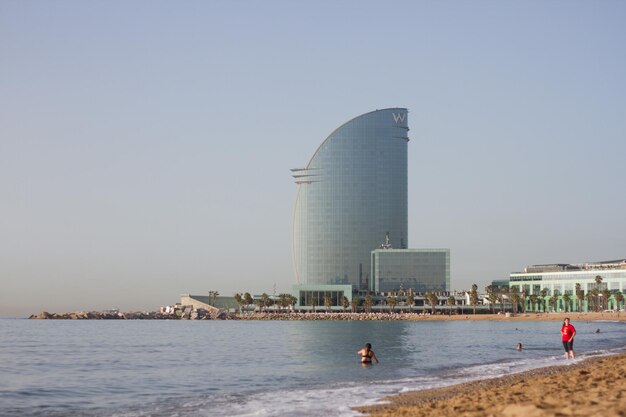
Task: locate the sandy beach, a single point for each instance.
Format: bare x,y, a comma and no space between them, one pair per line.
574,316
592,387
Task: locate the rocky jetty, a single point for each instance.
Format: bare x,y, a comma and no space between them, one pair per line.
323,316
100,315
184,314
199,314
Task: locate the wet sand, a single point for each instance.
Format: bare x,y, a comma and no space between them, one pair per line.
593,387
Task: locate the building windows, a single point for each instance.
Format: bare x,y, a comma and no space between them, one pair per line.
563,279
355,186
318,298
417,269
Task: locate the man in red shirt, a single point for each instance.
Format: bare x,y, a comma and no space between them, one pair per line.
567,336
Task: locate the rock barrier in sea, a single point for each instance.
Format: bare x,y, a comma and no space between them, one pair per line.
294,316
116,315
101,315
204,315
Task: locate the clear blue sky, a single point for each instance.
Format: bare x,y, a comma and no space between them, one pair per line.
145,146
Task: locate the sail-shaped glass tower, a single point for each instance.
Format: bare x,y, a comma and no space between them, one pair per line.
350,196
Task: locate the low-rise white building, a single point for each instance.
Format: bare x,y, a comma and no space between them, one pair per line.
575,287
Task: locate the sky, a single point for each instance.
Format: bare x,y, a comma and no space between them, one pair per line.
145,146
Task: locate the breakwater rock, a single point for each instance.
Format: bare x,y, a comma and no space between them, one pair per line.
110,315
199,314
100,315
325,316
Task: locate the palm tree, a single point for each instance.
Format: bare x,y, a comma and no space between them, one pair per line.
566,300
213,295
284,300
410,299
392,301
504,292
533,301
492,296
514,295
579,297
313,303
474,296
606,294
598,280
345,303
432,300
451,302
593,297
355,303
552,303
328,302
247,299
618,297
590,300
369,302
543,293
292,301
239,299
266,301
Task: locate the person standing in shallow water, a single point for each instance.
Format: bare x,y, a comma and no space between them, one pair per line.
367,354
567,336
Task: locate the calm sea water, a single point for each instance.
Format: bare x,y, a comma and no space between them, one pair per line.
273,368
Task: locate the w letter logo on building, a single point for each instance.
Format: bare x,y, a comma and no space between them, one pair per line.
399,117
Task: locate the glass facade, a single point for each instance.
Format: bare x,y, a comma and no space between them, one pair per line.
418,269
560,284
352,193
314,295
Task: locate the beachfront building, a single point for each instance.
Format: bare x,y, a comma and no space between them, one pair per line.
592,286
322,297
499,284
350,195
192,303
420,270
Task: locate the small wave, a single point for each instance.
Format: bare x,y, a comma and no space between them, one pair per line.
338,399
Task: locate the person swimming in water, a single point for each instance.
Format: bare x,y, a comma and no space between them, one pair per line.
519,346
367,354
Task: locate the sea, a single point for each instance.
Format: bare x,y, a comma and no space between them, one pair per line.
160,368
